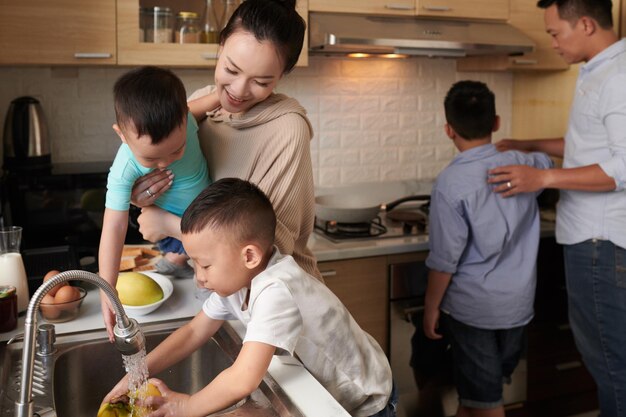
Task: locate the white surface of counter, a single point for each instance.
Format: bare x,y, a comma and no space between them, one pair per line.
299,385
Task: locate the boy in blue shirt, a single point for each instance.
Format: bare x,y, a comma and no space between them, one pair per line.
483,250
158,130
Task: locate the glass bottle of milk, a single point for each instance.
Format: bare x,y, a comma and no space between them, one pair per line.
12,270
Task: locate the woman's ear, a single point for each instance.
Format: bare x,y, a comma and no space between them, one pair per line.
119,132
252,256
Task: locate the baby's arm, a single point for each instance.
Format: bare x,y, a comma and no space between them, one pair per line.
200,106
114,228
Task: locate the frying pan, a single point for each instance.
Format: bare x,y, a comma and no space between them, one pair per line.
355,208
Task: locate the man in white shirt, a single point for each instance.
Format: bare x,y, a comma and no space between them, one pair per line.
591,213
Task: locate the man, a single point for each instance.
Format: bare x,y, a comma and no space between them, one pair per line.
591,214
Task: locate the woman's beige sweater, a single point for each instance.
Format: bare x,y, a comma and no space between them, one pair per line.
269,145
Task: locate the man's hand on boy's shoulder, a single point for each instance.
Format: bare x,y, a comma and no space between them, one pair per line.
515,179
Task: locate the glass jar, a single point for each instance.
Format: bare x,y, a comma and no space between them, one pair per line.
229,8
187,28
8,308
157,24
210,25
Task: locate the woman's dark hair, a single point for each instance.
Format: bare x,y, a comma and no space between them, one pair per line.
151,98
236,207
470,109
572,10
276,21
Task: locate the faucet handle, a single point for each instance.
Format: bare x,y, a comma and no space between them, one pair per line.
46,336
17,337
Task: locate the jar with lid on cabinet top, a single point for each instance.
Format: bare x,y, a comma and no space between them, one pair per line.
156,24
187,28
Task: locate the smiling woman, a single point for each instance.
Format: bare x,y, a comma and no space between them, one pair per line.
255,134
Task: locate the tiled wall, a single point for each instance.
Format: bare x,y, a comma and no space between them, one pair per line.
375,120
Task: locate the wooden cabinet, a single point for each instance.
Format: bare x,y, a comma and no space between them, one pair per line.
58,32
133,52
476,9
362,286
528,18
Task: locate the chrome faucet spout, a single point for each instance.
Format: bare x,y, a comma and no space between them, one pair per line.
128,336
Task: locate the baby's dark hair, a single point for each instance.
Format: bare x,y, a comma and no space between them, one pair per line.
470,109
276,21
152,99
236,207
572,10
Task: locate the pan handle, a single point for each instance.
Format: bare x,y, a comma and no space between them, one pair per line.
394,204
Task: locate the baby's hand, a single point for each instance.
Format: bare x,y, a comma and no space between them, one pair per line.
150,187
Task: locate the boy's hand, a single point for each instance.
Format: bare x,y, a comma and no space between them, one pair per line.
150,187
169,404
108,315
431,323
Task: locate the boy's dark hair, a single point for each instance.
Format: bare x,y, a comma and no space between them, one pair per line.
276,21
572,10
152,99
236,207
470,109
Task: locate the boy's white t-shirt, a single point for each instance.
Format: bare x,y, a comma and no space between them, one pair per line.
293,311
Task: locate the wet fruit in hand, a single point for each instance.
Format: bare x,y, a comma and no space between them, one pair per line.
120,406
114,410
137,289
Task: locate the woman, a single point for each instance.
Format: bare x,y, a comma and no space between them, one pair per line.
254,134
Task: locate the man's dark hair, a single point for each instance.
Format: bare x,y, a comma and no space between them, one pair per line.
572,10
276,21
470,109
236,207
152,99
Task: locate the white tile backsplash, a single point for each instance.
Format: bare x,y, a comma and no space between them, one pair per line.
374,120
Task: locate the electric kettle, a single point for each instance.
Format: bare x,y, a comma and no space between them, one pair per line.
25,140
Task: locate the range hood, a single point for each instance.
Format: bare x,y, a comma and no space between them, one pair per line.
344,33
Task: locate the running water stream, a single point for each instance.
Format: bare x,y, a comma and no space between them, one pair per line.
137,371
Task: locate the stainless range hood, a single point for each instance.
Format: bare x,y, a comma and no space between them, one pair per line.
344,33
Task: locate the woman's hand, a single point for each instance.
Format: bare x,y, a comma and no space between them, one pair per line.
150,187
121,388
169,404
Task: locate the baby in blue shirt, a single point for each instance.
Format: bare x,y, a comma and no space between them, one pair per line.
483,250
158,131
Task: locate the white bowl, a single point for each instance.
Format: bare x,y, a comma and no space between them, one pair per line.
168,289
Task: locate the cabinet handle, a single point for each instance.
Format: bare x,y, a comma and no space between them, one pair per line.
92,55
208,55
566,366
329,273
522,61
438,8
399,7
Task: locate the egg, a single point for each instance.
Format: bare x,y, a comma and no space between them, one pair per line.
49,310
66,294
54,289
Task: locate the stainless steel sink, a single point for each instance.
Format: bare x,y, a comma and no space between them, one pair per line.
73,381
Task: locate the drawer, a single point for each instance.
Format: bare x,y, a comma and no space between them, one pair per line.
558,376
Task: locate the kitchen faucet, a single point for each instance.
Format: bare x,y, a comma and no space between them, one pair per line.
128,336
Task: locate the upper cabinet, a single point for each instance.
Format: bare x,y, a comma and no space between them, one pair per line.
137,47
58,32
475,9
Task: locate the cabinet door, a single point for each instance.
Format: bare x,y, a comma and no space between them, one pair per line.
132,51
475,9
57,32
528,18
361,285
380,7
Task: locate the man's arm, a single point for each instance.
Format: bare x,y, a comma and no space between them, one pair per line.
515,179
553,147
438,283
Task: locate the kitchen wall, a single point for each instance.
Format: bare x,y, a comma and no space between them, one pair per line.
374,120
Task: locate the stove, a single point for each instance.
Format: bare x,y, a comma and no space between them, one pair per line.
382,227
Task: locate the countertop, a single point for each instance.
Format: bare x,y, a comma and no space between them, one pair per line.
301,387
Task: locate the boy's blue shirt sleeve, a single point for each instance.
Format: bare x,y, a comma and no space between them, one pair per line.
448,234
